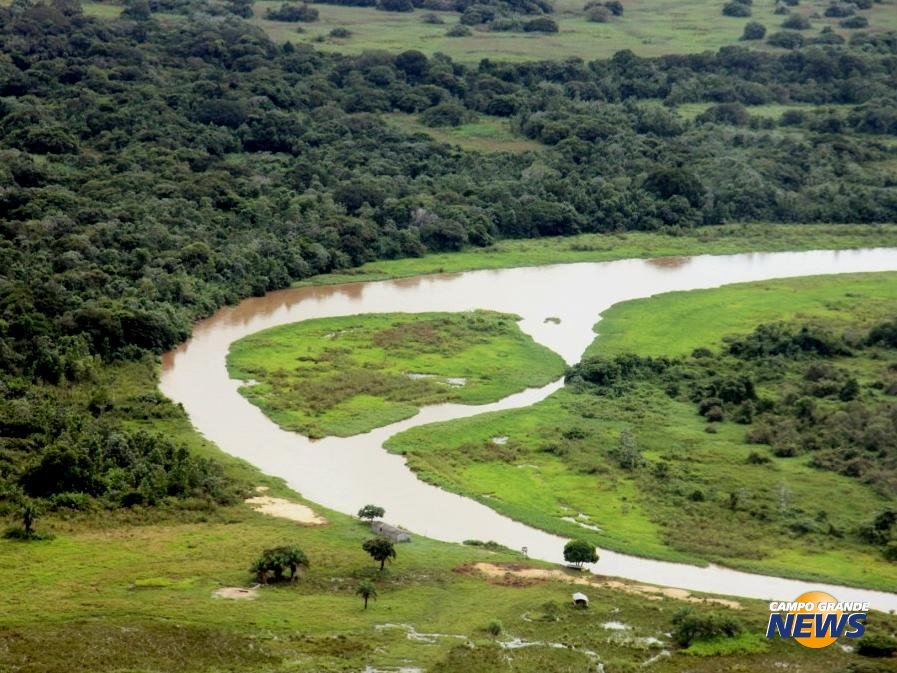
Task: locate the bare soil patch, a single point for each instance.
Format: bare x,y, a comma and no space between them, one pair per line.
516,574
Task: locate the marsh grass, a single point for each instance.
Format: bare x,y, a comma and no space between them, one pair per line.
343,376
560,458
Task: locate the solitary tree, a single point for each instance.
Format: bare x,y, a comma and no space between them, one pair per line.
276,561
371,512
579,552
381,549
367,591
30,512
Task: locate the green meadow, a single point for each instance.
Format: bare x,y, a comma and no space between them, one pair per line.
556,469
132,590
647,29
485,134
342,376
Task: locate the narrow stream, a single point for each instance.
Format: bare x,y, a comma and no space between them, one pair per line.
346,473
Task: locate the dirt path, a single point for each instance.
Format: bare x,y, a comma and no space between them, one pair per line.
518,571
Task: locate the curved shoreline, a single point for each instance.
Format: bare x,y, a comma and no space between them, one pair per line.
343,473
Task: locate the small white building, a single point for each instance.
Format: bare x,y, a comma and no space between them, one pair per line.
580,600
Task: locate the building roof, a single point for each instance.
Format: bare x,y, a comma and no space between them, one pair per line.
580,597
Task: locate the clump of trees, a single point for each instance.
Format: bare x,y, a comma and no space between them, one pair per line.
273,564
292,13
812,405
690,626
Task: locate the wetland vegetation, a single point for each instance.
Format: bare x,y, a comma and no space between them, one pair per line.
344,376
693,439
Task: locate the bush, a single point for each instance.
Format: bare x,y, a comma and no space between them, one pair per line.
432,18
755,458
542,24
599,14
689,626
796,22
340,32
874,645
840,10
293,13
458,30
446,114
890,551
736,9
494,628
615,7
395,5
855,22
753,30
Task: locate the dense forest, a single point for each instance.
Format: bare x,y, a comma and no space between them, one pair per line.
799,391
152,171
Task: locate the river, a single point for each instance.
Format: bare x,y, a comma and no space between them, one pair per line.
345,473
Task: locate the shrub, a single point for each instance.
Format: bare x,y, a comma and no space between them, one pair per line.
796,22
445,114
689,626
753,30
736,9
855,22
890,551
542,24
840,10
755,458
599,14
504,24
494,628
615,7
340,32
875,645
458,30
432,18
293,13
395,5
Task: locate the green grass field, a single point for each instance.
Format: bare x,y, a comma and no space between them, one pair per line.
555,470
486,134
648,29
132,591
343,376
719,240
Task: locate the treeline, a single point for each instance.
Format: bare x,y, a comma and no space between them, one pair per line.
73,448
813,401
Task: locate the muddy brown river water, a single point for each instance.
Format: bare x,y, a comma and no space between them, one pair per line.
346,473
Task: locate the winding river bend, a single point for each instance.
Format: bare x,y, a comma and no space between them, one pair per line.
345,473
